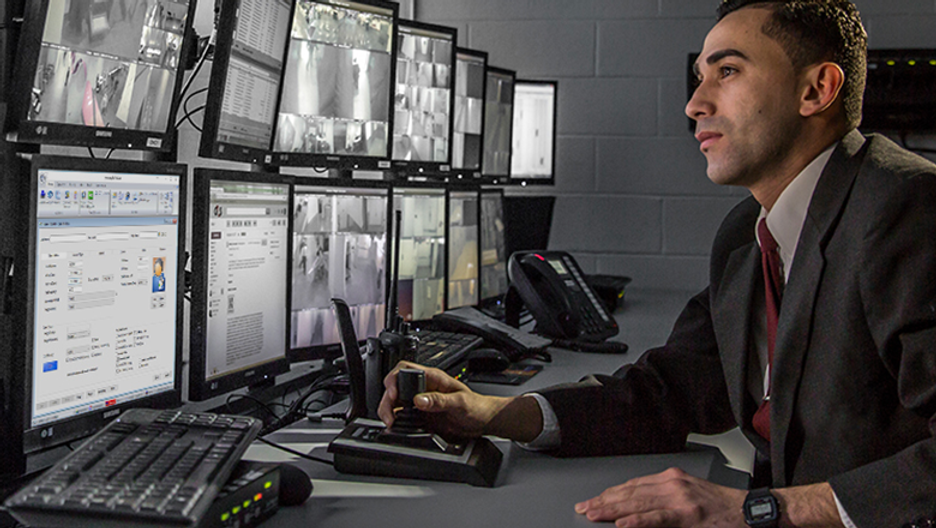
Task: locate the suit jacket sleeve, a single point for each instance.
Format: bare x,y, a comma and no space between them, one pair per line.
652,405
898,290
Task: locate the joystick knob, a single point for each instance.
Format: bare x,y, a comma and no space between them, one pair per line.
410,382
409,419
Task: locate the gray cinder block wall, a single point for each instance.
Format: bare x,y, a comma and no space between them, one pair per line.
632,195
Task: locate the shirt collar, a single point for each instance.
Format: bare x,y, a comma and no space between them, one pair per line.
785,220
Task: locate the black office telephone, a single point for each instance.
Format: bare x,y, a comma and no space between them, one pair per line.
553,287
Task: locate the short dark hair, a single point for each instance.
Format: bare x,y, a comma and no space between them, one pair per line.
813,31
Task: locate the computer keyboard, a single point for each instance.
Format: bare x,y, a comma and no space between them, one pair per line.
443,350
146,468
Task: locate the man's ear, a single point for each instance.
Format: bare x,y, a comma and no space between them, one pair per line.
821,84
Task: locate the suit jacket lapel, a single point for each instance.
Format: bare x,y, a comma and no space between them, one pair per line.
799,295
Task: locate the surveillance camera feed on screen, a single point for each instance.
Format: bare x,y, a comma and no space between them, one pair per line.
533,130
498,121
246,274
423,95
106,275
469,110
336,92
339,250
252,79
493,251
463,249
421,290
109,63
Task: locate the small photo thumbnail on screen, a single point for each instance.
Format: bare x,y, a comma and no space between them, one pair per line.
81,89
340,26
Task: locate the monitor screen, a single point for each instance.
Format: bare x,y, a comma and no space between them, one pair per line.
102,73
423,103
339,250
421,289
463,248
240,294
105,297
467,136
245,79
493,249
534,132
334,107
498,119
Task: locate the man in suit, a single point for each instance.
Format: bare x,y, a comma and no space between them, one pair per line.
817,332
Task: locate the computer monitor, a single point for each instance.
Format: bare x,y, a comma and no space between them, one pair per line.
467,136
246,74
102,296
462,237
423,103
421,288
335,103
493,248
533,160
498,124
240,290
100,73
339,250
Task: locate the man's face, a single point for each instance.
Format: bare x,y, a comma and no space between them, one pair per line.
746,105
157,268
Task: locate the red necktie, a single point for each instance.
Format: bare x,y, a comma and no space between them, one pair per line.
773,289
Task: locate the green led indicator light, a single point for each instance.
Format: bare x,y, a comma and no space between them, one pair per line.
235,510
246,503
268,483
891,63
933,62
225,516
912,63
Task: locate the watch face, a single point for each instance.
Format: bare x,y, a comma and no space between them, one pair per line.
761,511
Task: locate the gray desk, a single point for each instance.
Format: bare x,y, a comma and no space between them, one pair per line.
533,489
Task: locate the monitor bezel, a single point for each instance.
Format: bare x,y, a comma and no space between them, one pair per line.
462,173
210,147
341,161
201,388
531,180
333,350
498,179
20,129
57,433
431,169
475,189
488,301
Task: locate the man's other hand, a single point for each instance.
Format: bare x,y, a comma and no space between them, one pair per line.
671,498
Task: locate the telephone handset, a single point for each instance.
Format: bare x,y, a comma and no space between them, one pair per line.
553,288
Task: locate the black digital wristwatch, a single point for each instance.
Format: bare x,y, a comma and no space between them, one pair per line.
761,509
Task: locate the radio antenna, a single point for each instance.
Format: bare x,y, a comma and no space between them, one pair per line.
393,310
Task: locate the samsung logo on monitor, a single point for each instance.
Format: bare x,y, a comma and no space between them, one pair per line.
111,414
103,133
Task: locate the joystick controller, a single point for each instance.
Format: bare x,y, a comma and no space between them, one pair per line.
407,449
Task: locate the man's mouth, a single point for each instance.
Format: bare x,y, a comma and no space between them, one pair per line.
707,139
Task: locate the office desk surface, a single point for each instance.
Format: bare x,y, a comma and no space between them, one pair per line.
533,489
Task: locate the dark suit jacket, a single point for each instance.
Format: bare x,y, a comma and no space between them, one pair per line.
854,388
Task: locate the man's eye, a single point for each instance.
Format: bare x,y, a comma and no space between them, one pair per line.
696,81
727,71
